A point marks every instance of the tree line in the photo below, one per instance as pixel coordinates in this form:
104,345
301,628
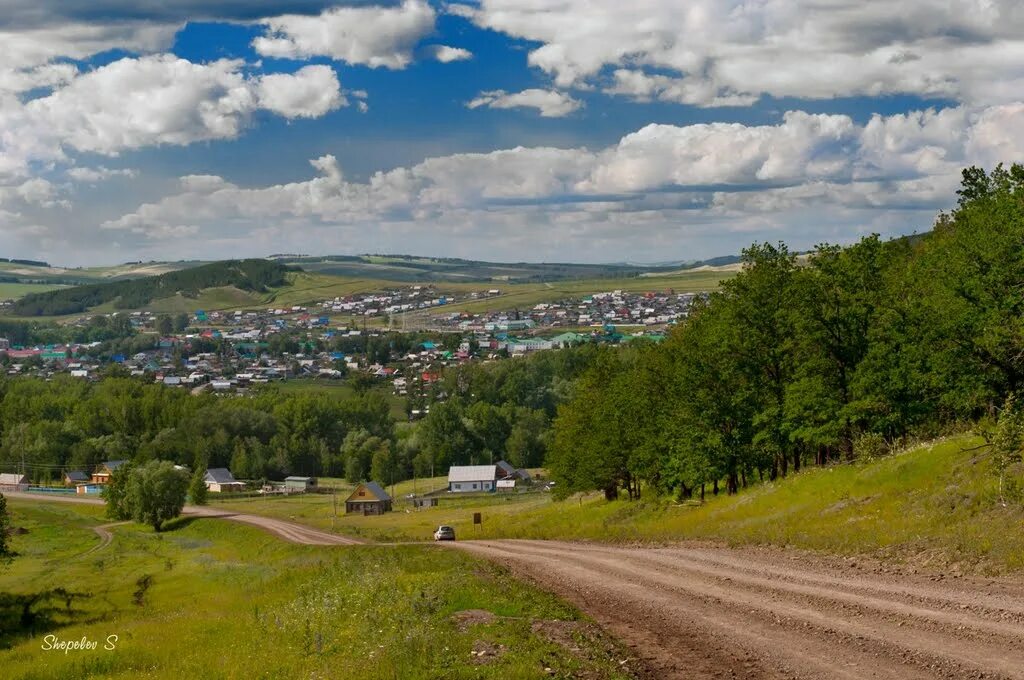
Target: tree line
69,424
841,354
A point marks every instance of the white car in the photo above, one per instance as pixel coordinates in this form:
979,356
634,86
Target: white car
444,533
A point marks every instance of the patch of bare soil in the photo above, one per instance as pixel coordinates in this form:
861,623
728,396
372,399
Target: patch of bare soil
472,617
586,641
485,652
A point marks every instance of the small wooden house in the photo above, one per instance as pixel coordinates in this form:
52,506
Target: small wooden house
368,499
102,476
75,477
220,480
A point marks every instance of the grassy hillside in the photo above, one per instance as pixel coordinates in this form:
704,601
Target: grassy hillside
255,276
930,506
44,273
259,607
15,291
406,268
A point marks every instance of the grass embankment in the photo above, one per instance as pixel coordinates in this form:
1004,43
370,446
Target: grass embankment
230,601
933,505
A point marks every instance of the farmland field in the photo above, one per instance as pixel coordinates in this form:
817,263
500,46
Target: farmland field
13,291
259,607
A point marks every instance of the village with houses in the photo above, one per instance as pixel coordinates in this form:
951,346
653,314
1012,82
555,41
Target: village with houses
367,498
233,351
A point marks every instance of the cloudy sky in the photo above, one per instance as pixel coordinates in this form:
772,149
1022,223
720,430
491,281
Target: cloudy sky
582,130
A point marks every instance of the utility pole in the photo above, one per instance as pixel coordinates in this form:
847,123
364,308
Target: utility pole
334,500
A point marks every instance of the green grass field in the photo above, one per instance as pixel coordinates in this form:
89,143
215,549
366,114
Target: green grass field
931,506
230,601
14,291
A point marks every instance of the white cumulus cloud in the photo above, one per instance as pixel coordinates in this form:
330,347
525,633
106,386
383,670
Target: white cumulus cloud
310,92
714,52
549,103
447,54
370,36
658,188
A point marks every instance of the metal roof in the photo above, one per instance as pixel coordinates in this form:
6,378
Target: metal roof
219,476
472,473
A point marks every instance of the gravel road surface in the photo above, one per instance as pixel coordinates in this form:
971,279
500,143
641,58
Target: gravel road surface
704,612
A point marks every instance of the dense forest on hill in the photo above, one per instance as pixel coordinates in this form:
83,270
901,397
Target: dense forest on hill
846,356
255,275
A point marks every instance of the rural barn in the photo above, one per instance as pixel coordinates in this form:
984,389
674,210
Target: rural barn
299,483
368,499
220,480
469,478
102,476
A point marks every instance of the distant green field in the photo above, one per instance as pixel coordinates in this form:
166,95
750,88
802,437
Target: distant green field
230,601
13,291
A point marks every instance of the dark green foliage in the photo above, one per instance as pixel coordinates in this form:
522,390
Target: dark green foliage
197,490
68,423
115,493
155,493
251,275
850,353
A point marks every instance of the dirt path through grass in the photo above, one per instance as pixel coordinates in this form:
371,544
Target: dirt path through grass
103,531
289,531
761,613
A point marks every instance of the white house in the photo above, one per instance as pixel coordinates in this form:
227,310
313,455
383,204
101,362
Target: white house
13,482
219,480
469,478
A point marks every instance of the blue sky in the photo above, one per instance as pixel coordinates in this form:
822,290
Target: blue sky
583,130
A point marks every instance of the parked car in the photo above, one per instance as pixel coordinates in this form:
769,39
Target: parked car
444,533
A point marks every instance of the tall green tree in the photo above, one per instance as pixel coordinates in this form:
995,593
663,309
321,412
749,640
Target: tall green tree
156,493
115,493
838,298
197,491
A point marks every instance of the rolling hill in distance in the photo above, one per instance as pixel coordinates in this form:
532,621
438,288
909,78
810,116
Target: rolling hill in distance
41,290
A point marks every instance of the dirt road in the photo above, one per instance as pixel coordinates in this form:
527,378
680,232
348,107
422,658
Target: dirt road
296,533
694,612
